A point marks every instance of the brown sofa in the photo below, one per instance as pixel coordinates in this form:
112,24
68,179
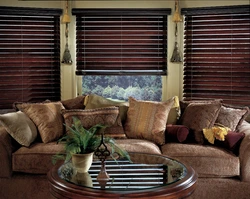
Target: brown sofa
222,173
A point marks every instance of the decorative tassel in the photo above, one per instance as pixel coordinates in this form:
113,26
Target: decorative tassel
176,57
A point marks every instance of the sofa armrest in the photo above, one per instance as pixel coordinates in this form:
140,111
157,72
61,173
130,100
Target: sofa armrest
244,152
7,147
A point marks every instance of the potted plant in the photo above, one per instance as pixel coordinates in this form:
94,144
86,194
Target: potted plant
80,145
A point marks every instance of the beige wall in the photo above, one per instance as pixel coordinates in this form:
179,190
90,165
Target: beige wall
172,83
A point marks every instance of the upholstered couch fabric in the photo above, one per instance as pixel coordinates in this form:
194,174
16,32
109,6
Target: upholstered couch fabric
36,159
208,161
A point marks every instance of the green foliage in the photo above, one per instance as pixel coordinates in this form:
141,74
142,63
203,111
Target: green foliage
80,140
121,87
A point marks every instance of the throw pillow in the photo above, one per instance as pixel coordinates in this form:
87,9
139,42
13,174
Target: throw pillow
232,141
176,133
20,127
47,117
185,103
232,116
107,116
75,103
198,116
95,101
175,112
147,119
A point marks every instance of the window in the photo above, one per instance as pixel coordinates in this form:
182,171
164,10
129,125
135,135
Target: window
119,44
29,55
217,54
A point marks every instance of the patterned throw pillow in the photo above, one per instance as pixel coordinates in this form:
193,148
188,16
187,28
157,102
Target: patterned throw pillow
199,116
185,103
232,116
107,116
147,120
20,127
47,117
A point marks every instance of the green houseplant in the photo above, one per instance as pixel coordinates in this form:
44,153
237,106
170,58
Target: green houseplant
79,142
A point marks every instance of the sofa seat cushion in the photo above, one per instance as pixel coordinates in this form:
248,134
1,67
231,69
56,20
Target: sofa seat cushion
207,161
35,159
38,157
139,146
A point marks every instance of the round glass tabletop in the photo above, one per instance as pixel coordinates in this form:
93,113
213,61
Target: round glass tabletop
146,171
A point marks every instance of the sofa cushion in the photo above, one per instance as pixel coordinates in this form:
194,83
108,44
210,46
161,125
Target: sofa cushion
47,117
198,116
138,145
38,157
207,161
20,127
35,159
232,116
147,119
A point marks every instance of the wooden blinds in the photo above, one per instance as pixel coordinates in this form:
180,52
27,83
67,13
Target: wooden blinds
29,55
217,54
121,41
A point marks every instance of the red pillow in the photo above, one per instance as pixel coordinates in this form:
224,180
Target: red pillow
176,133
232,141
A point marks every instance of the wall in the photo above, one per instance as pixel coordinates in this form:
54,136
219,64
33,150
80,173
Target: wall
172,83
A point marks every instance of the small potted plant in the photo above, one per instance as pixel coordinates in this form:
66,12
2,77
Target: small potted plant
80,145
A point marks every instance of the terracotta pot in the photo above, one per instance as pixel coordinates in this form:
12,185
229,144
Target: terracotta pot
82,162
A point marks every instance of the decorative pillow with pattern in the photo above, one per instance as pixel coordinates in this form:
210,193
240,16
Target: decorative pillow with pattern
199,116
232,116
20,127
185,103
147,120
47,118
107,116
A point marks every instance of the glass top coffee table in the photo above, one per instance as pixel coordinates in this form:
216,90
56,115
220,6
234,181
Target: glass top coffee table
146,176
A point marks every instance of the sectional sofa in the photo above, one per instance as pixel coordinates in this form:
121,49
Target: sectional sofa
29,134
